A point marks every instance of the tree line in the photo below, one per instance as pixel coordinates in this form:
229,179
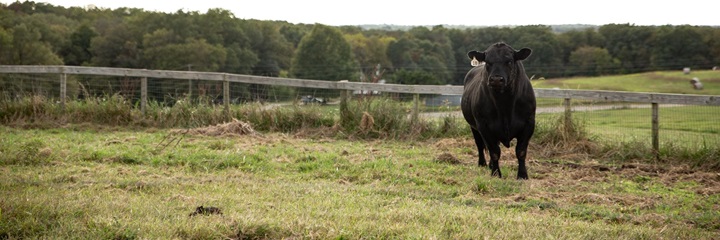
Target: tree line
33,33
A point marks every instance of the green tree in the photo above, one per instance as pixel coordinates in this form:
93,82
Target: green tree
591,61
711,37
77,52
403,53
294,33
630,44
198,54
324,54
546,58
422,49
574,39
6,46
675,47
114,47
54,29
27,49
239,60
271,47
370,51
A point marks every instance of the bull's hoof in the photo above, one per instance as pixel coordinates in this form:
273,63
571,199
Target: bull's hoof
482,163
522,177
496,173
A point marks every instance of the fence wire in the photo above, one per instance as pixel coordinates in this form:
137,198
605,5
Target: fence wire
687,125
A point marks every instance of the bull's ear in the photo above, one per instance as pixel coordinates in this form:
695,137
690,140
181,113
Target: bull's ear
480,56
522,54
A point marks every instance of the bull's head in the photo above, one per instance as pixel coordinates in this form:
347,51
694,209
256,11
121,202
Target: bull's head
500,63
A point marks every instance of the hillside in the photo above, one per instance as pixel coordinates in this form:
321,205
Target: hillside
660,81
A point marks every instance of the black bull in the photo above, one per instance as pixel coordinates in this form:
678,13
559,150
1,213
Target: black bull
499,104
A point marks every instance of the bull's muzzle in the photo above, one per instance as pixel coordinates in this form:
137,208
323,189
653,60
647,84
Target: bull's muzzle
497,82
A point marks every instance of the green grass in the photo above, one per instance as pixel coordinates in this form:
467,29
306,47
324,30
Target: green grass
661,82
98,183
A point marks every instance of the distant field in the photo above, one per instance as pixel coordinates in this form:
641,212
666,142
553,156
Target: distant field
662,82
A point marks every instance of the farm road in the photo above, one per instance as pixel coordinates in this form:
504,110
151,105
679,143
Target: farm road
558,109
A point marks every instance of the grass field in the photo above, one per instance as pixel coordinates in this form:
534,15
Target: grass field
662,82
89,182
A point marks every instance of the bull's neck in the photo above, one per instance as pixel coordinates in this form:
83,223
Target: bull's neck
505,96
505,104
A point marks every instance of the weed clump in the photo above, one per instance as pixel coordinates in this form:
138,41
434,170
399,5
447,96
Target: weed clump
30,152
563,137
447,158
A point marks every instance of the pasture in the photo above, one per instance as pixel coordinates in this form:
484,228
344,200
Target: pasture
100,169
92,182
658,81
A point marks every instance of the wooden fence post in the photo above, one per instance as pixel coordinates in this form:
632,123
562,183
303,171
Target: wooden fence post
415,111
344,101
63,90
568,112
656,130
189,95
143,95
226,97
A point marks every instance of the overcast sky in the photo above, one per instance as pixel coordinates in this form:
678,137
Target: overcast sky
451,12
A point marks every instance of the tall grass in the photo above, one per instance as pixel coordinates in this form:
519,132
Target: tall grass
361,118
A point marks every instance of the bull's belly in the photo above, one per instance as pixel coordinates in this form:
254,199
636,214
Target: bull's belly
501,135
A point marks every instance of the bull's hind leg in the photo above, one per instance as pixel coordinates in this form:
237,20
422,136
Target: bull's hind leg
480,147
522,170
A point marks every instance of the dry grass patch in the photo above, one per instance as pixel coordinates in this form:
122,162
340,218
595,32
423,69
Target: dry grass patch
234,127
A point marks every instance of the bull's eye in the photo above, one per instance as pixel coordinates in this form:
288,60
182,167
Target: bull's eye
509,63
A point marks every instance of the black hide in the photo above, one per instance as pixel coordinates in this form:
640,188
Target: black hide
499,104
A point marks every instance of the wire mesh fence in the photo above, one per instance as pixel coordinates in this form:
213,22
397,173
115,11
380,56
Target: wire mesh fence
680,122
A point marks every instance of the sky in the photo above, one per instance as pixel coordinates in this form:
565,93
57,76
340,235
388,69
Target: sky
439,12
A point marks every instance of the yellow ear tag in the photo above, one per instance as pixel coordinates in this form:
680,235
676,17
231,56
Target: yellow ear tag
475,62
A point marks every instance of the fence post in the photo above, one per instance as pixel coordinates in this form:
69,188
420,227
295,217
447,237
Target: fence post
143,94
344,98
568,112
656,130
415,111
189,95
63,89
226,97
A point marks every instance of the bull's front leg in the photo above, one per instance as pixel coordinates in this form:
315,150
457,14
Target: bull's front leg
494,150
